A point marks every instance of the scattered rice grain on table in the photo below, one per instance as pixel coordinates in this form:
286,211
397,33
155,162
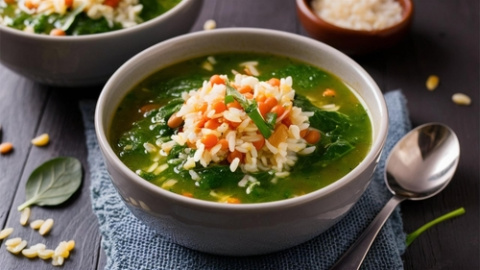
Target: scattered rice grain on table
5,233
461,99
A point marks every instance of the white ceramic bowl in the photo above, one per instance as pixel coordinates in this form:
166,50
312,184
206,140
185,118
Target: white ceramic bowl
245,229
89,59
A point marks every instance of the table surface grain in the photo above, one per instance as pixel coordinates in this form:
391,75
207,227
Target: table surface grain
444,40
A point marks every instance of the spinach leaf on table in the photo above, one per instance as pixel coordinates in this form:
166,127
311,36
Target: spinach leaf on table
53,182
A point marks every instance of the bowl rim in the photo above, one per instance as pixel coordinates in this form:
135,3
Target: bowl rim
105,35
304,7
372,156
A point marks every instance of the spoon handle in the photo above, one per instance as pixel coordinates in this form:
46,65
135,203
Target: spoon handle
353,257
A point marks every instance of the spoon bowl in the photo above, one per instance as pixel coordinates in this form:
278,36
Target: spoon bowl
423,162
418,167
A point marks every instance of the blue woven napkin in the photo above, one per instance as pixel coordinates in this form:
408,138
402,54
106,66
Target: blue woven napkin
130,244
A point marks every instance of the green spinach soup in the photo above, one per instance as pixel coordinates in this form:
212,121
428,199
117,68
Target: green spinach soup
79,17
241,128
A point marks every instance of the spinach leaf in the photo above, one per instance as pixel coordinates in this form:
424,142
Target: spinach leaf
306,77
327,121
215,176
53,182
154,123
176,86
332,124
83,25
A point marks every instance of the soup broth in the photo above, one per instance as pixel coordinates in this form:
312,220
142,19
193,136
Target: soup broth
140,130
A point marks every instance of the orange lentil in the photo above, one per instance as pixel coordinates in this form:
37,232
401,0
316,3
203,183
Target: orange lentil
313,136
174,121
224,144
187,194
233,200
57,32
274,82
6,148
278,109
30,4
209,140
235,154
112,3
287,121
148,107
259,144
303,132
216,79
329,93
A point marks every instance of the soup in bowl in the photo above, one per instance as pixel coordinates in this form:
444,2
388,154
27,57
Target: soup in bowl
223,141
84,43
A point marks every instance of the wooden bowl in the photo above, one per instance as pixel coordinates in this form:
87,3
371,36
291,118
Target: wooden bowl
352,41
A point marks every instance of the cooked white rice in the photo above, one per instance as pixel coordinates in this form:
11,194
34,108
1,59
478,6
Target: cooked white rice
278,158
359,14
125,13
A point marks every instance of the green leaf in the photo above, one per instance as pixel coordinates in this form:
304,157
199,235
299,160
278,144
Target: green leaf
251,108
53,182
412,236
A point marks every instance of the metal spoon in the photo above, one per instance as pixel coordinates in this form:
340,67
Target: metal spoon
419,166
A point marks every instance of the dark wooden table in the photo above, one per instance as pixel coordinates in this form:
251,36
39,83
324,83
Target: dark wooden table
444,40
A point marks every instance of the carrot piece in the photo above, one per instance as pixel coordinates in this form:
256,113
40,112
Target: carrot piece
30,4
68,3
245,89
219,106
262,108
112,3
329,93
274,82
259,144
233,125
233,200
57,32
209,140
10,1
248,95
216,79
261,98
174,121
201,107
201,122
212,124
313,136
279,135
235,104
271,102
278,109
